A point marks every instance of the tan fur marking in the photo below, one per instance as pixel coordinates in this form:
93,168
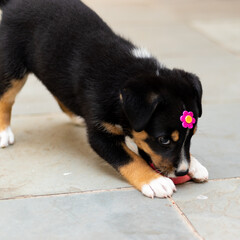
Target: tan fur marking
5,112
139,138
7,101
175,136
140,135
65,109
195,129
113,129
137,172
159,162
152,97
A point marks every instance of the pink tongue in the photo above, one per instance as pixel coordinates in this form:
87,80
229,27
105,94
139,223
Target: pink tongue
176,180
180,180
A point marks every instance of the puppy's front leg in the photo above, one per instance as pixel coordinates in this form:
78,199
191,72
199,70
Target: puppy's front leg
111,146
142,177
197,171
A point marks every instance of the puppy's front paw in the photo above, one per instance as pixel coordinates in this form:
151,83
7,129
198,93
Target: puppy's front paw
197,171
161,187
6,137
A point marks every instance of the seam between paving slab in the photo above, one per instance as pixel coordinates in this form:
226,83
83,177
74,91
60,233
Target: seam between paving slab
179,211
217,43
221,179
95,191
68,193
46,114
185,219
172,202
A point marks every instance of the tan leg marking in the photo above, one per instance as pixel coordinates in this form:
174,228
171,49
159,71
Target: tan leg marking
65,109
77,120
137,172
5,113
113,129
175,136
121,97
7,101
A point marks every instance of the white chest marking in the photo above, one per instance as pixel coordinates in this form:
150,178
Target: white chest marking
141,53
131,144
183,164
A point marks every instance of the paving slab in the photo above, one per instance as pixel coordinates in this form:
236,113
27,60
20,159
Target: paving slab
34,98
212,208
109,215
177,36
181,45
219,75
182,35
210,10
225,32
51,156
172,40
217,142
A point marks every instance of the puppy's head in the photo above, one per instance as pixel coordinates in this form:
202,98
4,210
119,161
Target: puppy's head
153,106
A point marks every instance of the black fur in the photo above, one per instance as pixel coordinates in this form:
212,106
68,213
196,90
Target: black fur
87,66
3,2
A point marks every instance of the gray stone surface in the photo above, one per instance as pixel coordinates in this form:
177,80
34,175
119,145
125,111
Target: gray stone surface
51,156
212,208
34,98
109,215
217,142
225,32
219,75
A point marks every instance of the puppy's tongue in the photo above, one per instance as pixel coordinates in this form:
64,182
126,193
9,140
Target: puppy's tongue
176,180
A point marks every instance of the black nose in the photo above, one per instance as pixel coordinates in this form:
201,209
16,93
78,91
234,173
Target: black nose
181,173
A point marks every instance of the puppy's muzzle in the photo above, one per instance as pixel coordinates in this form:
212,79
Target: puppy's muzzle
181,173
182,168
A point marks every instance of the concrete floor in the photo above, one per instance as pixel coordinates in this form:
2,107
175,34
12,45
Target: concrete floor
53,186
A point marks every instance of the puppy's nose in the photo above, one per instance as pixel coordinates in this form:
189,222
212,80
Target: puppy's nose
181,173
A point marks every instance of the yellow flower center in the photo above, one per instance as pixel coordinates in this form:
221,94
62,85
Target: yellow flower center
188,119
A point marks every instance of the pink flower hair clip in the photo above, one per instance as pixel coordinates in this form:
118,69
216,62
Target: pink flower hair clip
187,119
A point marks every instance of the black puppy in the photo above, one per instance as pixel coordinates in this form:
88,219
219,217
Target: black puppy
131,104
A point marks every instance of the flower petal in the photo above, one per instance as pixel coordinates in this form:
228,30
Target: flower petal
185,113
193,120
182,118
191,114
184,124
190,125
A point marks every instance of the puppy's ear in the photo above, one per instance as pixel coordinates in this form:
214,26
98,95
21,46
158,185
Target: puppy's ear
138,104
196,85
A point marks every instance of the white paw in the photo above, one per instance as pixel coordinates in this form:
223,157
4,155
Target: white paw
79,121
161,187
197,171
6,137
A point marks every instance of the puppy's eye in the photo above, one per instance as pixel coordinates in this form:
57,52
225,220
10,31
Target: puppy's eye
164,140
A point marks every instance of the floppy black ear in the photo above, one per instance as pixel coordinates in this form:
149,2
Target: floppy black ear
138,105
197,86
195,83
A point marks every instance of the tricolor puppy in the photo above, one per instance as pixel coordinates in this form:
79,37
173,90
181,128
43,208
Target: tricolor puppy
131,103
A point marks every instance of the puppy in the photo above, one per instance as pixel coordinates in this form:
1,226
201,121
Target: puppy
130,102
